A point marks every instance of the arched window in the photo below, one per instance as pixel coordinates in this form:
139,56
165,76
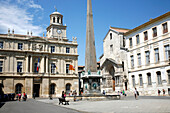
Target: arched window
68,87
58,19
53,19
52,88
159,77
133,80
149,79
18,88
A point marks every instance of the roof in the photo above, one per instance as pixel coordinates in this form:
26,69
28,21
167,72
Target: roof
56,13
117,30
148,23
121,30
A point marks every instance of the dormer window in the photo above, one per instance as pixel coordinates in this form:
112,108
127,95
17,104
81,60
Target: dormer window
53,19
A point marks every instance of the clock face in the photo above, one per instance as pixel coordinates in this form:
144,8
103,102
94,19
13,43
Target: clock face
59,31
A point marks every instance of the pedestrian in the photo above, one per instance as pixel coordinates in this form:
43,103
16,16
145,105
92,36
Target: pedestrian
123,92
136,93
34,94
19,96
163,92
159,92
63,95
24,96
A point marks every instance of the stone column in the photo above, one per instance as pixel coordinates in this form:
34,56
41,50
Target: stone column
26,64
42,64
31,64
45,87
47,64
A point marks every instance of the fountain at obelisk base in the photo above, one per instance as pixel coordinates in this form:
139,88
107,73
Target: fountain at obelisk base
91,78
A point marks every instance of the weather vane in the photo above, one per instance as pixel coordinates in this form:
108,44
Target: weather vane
55,8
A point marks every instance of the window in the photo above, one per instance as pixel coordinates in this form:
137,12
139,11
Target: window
67,50
133,80
68,87
36,67
110,36
139,59
1,66
111,48
124,42
123,66
53,19
58,19
166,52
130,42
156,55
117,79
20,46
19,66
1,45
52,49
132,61
149,78
154,32
168,76
137,39
67,68
53,68
18,88
147,57
52,88
140,80
165,28
145,35
159,77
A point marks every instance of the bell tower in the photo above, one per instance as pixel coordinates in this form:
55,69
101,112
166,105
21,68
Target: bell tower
56,29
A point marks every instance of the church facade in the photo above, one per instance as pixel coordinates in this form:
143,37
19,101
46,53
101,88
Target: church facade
113,62
39,65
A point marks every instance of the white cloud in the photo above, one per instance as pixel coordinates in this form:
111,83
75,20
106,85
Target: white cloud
29,4
19,19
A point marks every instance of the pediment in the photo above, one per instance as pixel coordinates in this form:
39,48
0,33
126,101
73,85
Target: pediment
38,39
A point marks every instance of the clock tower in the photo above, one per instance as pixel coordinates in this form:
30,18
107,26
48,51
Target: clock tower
56,29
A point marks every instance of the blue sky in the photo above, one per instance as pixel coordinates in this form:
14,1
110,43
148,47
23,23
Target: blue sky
33,15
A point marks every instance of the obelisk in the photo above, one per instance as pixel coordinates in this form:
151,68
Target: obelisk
90,58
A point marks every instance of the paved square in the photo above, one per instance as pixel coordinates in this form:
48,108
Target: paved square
127,105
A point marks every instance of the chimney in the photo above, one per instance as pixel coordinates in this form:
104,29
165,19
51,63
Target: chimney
150,19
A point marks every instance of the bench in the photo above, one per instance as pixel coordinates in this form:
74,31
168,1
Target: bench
61,100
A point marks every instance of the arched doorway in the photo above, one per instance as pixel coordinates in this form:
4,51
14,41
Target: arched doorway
68,87
52,88
18,88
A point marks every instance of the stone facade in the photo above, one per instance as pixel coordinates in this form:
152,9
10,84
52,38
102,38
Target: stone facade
39,65
113,61
148,57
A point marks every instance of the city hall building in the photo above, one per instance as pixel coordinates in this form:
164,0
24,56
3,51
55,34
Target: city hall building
39,65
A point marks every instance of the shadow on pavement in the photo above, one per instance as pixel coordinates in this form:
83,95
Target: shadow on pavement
1,104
